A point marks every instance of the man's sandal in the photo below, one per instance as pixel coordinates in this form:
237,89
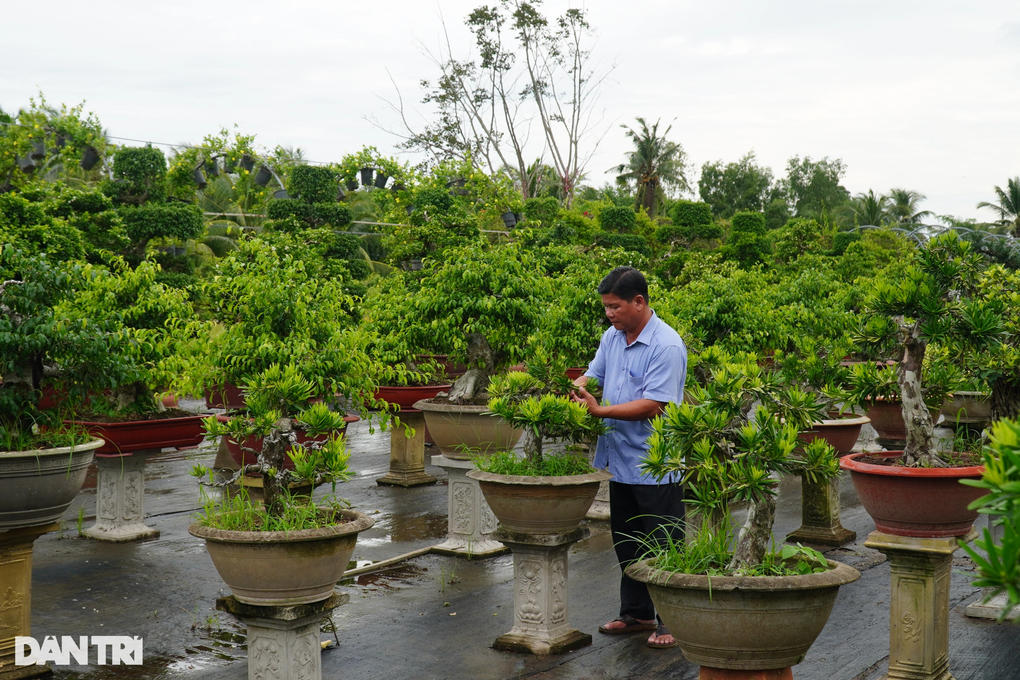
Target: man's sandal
631,625
659,632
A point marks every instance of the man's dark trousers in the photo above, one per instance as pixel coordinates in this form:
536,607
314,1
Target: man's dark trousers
640,510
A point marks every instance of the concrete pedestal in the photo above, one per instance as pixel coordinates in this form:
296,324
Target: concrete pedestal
283,642
470,522
120,498
407,454
994,606
540,594
919,604
224,461
16,598
820,521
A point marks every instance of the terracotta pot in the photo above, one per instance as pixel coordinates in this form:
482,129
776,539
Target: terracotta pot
279,568
919,502
744,622
452,369
404,397
575,373
887,418
840,433
967,408
242,457
228,396
539,505
170,400
143,435
37,487
461,431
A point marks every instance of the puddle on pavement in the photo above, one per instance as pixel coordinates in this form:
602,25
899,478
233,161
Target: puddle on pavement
390,579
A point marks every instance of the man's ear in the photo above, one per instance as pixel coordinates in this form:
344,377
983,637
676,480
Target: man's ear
640,300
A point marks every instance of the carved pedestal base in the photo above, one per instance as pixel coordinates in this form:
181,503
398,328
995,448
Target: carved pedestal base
224,461
540,594
727,674
470,521
120,499
994,606
16,598
600,507
820,515
283,642
919,605
407,455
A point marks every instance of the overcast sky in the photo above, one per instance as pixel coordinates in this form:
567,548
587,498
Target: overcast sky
920,95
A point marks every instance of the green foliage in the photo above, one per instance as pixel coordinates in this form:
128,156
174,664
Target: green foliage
176,222
621,220
688,235
748,223
842,240
26,226
813,187
690,214
797,237
435,197
734,187
999,567
283,208
336,215
313,184
541,211
632,242
142,174
553,465
239,513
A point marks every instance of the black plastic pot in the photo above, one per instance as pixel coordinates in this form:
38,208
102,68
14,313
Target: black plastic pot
398,186
263,176
38,149
199,178
89,158
366,176
61,141
282,193
247,162
352,185
409,209
212,167
509,219
380,180
229,166
26,164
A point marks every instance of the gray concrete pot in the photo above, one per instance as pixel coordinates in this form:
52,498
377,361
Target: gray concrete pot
459,430
744,622
282,568
36,487
967,408
539,505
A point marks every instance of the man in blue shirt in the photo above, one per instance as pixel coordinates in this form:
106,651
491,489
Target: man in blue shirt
641,364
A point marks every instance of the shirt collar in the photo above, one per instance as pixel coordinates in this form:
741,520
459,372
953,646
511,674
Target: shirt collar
646,334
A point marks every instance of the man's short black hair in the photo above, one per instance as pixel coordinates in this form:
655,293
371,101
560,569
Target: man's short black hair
625,283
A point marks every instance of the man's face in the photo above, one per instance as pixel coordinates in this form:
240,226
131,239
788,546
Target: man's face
624,316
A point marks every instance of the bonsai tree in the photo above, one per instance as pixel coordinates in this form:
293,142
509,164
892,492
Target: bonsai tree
935,300
478,306
574,319
727,451
280,402
1000,363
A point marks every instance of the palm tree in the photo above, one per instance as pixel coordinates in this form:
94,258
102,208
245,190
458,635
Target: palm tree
655,164
1008,206
903,206
870,209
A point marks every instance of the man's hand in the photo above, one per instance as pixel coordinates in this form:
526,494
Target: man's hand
583,396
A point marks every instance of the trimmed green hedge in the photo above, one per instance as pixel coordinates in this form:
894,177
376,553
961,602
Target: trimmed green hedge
313,184
282,208
748,223
541,210
632,242
673,233
843,239
437,198
142,171
162,221
336,215
620,219
690,213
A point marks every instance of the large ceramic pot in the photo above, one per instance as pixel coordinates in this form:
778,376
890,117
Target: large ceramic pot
967,408
462,431
920,502
228,396
840,433
405,397
242,457
143,435
744,622
37,487
280,568
539,505
887,418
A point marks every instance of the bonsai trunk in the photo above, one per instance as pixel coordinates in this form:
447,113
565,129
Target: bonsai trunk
274,452
1005,401
755,535
920,449
476,380
532,445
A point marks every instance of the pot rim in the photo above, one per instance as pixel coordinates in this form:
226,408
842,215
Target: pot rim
224,418
835,422
413,387
427,405
59,451
535,480
851,463
360,522
840,574
148,424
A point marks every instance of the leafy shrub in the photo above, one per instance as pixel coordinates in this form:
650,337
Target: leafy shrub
142,174
334,214
843,239
632,242
313,184
672,233
282,208
748,223
340,246
690,213
145,222
620,219
437,198
541,211
797,237
73,201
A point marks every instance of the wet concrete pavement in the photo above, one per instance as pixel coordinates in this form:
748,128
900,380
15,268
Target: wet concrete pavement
431,616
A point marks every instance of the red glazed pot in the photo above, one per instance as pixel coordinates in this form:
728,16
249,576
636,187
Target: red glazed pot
918,502
242,457
840,433
227,396
887,418
404,397
142,435
575,373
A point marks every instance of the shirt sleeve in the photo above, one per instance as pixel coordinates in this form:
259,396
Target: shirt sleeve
664,379
597,367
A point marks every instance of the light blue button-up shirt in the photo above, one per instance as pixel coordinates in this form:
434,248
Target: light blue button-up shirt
652,367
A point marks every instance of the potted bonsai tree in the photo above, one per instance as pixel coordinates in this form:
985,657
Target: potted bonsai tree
747,608
915,492
282,551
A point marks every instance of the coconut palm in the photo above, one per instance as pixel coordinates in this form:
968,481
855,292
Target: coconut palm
903,206
656,164
1008,206
870,209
